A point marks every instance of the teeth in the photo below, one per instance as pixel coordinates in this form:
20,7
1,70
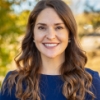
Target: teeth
50,45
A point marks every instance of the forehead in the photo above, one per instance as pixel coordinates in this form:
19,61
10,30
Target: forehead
48,16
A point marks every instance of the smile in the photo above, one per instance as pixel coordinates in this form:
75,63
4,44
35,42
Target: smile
50,45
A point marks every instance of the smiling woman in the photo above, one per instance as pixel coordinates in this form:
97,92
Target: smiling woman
50,34
51,39
51,65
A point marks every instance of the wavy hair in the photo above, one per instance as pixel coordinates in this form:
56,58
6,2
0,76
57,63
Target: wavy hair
77,81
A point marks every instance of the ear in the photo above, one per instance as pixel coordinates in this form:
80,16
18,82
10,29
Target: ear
69,40
33,40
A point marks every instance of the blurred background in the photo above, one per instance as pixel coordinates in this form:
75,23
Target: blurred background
13,19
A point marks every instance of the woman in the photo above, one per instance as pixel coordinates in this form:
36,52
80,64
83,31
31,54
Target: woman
51,65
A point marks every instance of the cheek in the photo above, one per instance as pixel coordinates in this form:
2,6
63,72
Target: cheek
37,35
64,36
37,38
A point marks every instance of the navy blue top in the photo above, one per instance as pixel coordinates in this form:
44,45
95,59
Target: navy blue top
51,87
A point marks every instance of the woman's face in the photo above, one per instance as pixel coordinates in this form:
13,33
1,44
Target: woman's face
50,34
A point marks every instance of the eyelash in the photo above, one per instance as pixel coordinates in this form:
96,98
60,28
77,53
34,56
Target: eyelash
43,28
59,27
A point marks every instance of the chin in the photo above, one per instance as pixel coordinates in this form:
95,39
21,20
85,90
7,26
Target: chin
52,56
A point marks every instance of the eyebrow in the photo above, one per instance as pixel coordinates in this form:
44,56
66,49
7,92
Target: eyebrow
46,24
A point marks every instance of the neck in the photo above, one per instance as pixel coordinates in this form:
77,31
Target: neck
51,66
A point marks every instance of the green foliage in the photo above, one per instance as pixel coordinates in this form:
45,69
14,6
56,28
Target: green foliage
12,27
92,14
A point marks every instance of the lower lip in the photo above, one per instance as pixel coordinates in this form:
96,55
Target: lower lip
50,47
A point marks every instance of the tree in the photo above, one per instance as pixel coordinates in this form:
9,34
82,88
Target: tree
93,15
12,26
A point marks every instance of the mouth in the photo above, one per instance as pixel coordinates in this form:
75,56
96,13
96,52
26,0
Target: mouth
50,45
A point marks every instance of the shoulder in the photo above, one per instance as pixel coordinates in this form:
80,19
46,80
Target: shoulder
7,75
4,93
92,72
95,82
95,75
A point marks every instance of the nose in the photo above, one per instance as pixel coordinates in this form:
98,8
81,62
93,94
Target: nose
51,34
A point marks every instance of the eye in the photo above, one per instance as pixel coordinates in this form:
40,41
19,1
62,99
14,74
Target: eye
59,27
41,28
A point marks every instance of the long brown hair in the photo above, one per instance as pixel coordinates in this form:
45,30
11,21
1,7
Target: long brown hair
77,81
